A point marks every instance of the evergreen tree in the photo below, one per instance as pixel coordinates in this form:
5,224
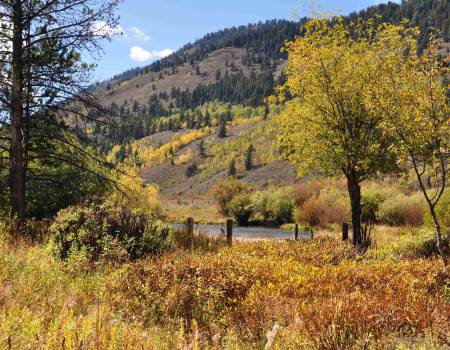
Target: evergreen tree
266,111
249,157
232,171
191,170
42,70
222,133
207,118
201,149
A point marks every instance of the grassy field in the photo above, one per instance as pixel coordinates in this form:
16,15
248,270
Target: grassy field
307,295
203,212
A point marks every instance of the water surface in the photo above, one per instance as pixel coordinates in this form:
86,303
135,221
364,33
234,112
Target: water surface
252,232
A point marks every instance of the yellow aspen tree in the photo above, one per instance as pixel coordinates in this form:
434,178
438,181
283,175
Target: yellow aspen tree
412,95
327,126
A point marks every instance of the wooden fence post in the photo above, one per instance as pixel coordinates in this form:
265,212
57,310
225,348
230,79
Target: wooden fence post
229,232
345,232
190,229
296,232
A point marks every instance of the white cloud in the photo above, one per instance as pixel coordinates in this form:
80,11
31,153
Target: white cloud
139,54
138,34
104,29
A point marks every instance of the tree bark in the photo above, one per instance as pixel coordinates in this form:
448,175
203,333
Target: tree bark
354,190
16,156
439,240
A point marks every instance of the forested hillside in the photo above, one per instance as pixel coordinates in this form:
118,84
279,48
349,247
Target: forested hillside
238,65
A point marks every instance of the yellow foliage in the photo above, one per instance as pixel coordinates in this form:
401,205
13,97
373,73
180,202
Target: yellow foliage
243,121
185,157
327,125
132,193
150,156
226,298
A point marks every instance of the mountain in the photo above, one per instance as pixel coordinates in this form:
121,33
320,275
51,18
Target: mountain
219,79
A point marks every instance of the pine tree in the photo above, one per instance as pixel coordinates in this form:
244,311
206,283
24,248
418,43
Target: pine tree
232,171
43,76
201,149
266,111
249,157
222,133
191,170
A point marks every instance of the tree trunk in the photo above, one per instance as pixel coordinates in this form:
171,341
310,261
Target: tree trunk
439,241
17,170
354,190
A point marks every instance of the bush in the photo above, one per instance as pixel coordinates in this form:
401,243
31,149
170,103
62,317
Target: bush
104,234
305,191
402,210
316,211
261,205
241,207
415,244
224,191
275,205
312,212
316,290
281,205
373,197
134,195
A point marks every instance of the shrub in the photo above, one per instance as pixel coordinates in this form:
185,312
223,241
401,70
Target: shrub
241,208
373,197
335,213
416,244
261,205
281,205
312,212
317,212
402,210
305,191
134,195
225,190
316,290
102,233
275,205
185,158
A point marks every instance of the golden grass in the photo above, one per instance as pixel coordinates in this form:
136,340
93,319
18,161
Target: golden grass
382,235
320,293
204,214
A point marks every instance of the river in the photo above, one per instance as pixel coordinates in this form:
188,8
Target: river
249,232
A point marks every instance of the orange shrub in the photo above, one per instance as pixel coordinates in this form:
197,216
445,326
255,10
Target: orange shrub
305,191
315,211
315,288
312,211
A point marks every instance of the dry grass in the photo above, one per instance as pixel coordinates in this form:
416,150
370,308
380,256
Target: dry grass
322,295
202,214
382,235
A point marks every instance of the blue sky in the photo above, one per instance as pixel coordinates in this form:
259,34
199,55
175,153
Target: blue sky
153,28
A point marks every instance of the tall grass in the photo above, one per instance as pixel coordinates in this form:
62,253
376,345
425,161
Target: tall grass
322,295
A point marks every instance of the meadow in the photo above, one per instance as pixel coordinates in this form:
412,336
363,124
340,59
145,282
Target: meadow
315,294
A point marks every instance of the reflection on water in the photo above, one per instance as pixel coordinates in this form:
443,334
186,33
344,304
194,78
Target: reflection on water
249,231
